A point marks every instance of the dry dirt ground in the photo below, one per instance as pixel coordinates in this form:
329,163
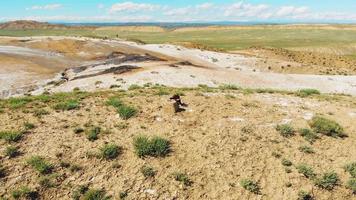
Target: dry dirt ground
224,136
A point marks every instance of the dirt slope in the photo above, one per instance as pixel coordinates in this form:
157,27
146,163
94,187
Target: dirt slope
222,138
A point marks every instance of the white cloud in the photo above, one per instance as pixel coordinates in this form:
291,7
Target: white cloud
132,7
205,6
242,9
100,6
291,11
179,11
45,7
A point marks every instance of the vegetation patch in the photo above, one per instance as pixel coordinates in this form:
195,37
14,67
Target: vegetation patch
328,181
16,103
308,92
183,178
286,130
156,146
148,171
92,134
309,135
327,127
11,136
126,112
40,165
351,168
250,185
12,151
24,193
306,149
67,105
306,170
286,162
134,87
351,184
2,171
110,151
29,126
95,194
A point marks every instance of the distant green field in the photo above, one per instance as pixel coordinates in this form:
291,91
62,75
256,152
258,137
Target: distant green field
223,39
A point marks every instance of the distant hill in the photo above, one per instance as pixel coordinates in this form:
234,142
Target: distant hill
27,24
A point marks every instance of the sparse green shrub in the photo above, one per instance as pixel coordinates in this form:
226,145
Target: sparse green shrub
286,162
327,127
29,126
306,170
40,112
351,168
110,151
67,105
46,182
134,87
162,92
308,135
11,136
302,195
148,171
351,184
24,193
126,112
156,147
94,194
228,87
79,192
250,185
183,178
92,134
40,165
11,151
328,181
276,154
307,92
285,130
20,102
306,149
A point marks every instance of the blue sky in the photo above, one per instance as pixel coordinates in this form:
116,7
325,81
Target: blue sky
179,11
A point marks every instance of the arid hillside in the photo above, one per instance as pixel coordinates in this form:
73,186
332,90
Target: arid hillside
228,143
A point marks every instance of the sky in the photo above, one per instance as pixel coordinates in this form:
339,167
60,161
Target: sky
314,11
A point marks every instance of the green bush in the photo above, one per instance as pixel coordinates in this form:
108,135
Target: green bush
79,192
148,171
306,170
126,112
15,103
78,130
183,178
11,136
228,87
67,105
328,181
46,182
351,168
93,133
156,147
326,127
94,194
40,112
285,130
250,185
308,135
134,87
24,193
306,149
302,195
307,92
286,162
40,165
351,184
11,151
29,126
110,151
